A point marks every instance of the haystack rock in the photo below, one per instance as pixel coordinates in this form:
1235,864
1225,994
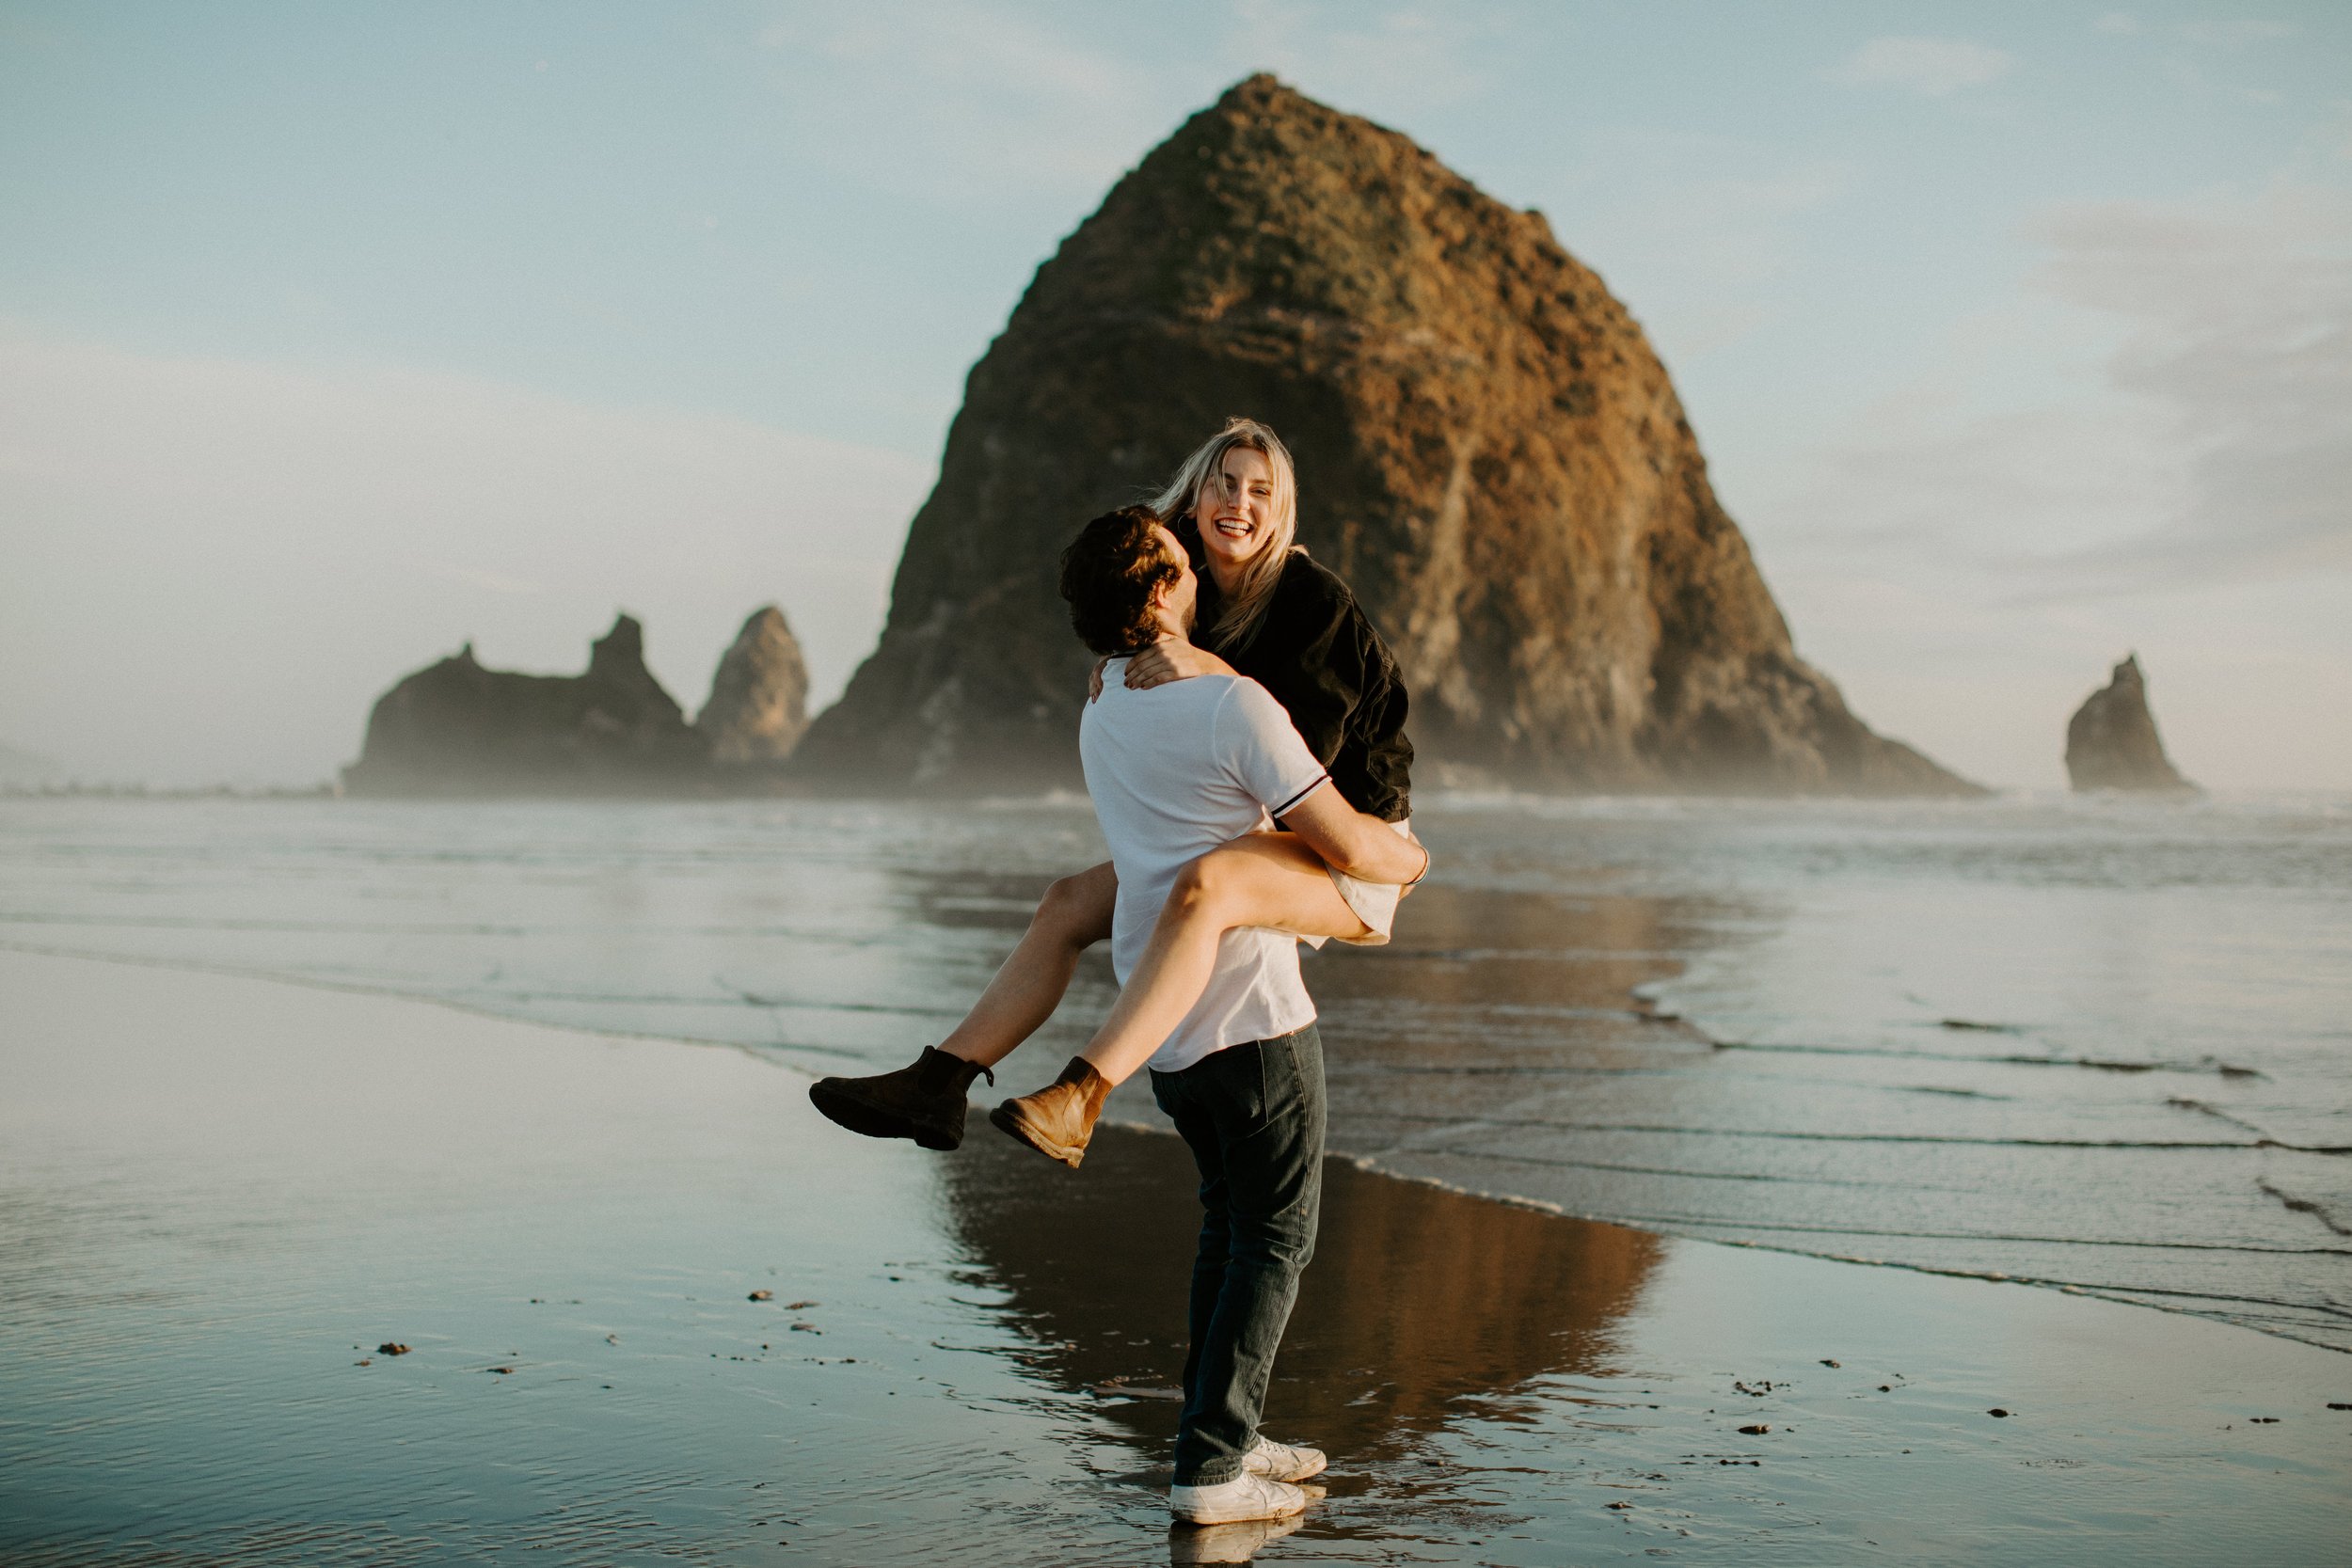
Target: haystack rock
455,728
759,695
2111,741
1488,451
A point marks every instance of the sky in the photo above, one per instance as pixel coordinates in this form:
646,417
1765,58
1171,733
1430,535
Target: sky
2018,336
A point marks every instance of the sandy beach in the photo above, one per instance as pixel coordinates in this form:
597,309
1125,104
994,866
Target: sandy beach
222,1195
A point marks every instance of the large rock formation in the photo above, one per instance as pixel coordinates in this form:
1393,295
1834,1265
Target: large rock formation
758,696
2111,741
1488,451
455,728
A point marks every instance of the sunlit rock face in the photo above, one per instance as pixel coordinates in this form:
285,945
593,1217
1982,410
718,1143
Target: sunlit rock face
456,728
2111,741
1488,451
759,705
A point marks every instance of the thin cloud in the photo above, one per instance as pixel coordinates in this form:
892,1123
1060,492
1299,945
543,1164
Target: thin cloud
1712,225
1934,68
495,583
961,105
215,565
2211,449
1962,556
2235,32
2239,318
1405,52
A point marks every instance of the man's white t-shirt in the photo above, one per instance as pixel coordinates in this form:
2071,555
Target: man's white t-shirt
1174,772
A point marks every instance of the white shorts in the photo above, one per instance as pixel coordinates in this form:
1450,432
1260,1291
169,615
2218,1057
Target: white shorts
1374,903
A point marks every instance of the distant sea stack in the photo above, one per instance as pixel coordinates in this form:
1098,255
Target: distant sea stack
1488,451
2111,741
758,703
455,728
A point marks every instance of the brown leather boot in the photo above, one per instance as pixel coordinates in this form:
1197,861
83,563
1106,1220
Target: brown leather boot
1058,1120
923,1101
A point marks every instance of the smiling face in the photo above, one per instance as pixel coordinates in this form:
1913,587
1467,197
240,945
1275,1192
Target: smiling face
1234,511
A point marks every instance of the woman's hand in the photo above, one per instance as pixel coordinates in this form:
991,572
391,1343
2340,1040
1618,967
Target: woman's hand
1095,678
1172,658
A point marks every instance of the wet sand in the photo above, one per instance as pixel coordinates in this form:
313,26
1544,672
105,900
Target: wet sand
219,1197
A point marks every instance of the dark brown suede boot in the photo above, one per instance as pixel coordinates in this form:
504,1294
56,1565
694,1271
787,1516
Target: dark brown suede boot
1058,1120
924,1100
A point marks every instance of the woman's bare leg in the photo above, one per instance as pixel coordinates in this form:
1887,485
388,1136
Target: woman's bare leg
1262,879
1074,914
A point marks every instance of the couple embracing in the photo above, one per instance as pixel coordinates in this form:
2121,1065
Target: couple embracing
1240,688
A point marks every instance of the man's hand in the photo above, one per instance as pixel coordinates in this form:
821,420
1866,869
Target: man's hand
1172,658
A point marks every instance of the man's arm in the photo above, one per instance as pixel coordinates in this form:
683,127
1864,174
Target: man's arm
1352,843
1257,741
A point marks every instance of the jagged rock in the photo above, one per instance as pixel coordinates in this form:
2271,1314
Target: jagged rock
758,696
1488,451
455,728
2111,741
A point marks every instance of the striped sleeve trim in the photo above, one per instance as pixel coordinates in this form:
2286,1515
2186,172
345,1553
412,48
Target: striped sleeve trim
1320,780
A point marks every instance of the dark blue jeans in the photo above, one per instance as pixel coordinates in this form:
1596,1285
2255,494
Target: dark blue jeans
1253,1115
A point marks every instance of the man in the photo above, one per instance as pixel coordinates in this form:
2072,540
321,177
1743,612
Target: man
1175,771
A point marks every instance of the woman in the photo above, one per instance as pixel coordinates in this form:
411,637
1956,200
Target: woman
1266,612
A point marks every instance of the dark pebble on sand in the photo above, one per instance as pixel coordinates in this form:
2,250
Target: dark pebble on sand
806,1329
502,1371
1618,1505
800,1306
2339,1405
388,1348
1757,1431
2265,1420
761,1295
1887,1387
1828,1363
1996,1410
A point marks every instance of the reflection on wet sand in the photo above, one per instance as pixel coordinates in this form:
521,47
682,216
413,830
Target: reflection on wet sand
1418,1298
1490,1000
219,1196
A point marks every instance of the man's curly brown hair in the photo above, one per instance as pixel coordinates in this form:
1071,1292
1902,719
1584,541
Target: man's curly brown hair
1109,574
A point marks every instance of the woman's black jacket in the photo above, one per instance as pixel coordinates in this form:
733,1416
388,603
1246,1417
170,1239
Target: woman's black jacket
1321,660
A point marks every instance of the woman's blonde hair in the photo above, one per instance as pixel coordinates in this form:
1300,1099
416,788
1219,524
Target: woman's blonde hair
1244,609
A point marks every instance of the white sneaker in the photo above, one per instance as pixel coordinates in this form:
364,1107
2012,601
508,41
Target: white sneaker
1245,1496
1282,1462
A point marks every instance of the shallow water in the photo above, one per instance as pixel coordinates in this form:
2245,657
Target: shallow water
2095,1044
